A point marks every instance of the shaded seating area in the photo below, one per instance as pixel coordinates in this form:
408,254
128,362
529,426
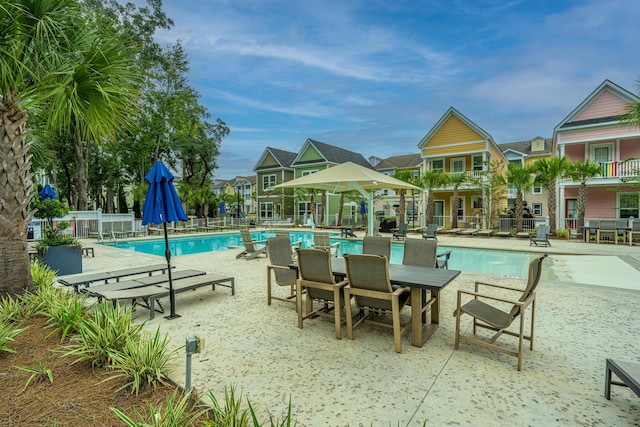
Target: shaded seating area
487,315
370,287
542,236
322,240
280,260
317,282
252,248
377,245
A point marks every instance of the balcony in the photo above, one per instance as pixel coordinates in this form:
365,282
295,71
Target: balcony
625,169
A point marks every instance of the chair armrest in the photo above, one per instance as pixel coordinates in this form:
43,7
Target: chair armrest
509,288
336,244
259,241
296,243
400,290
479,295
444,254
279,267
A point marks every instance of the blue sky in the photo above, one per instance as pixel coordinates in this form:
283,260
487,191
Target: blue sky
374,76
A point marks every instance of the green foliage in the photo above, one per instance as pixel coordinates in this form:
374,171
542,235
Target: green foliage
562,233
8,334
144,362
178,412
12,310
103,334
285,422
40,373
42,275
229,415
66,311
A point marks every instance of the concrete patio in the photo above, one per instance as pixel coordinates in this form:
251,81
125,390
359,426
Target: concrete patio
587,311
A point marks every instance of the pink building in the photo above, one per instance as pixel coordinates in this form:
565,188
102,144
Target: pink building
594,131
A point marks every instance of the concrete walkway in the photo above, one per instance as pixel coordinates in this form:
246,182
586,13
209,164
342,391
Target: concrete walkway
588,310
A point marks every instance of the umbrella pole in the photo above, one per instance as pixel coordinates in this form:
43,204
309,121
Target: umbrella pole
172,294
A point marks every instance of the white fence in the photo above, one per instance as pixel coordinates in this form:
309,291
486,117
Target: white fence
83,224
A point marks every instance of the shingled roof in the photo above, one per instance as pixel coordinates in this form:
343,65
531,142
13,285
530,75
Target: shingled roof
406,161
524,147
337,155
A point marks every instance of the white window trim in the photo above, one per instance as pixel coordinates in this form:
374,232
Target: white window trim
618,207
592,149
481,162
534,210
463,207
456,159
266,183
308,172
435,160
536,189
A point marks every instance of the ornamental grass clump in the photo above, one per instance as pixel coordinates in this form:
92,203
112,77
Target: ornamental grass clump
179,411
103,334
66,311
8,334
144,362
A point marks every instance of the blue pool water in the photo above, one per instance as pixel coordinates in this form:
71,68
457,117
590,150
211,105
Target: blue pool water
467,259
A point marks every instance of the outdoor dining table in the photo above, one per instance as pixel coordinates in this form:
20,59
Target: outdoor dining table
419,280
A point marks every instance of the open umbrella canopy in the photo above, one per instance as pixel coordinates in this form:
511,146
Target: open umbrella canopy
47,193
162,203
349,177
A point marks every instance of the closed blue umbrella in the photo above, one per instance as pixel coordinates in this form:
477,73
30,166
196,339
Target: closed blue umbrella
222,207
163,205
363,208
47,193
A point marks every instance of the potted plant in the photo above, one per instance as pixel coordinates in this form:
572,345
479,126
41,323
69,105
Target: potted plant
58,249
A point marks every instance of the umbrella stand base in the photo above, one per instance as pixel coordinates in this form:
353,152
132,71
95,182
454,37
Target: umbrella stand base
172,316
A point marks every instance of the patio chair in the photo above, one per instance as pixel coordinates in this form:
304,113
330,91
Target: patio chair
542,236
634,232
607,229
379,245
368,277
401,234
349,232
593,225
317,281
489,317
376,227
431,232
322,240
423,254
279,251
252,248
294,245
622,225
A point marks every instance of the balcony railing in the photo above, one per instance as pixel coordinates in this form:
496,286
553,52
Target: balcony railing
624,169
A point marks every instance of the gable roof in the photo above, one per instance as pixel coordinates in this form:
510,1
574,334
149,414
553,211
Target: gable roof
453,112
284,158
406,161
606,86
330,154
524,148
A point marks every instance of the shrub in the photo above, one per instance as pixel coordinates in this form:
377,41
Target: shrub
8,334
42,275
12,310
65,311
178,412
144,362
229,415
103,333
562,233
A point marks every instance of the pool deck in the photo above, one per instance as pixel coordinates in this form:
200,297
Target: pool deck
587,310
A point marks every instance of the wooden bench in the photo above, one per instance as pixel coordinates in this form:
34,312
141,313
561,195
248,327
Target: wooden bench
628,372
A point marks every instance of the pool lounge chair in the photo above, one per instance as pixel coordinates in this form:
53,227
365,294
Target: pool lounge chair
150,294
321,240
431,232
401,233
252,248
88,279
348,232
97,290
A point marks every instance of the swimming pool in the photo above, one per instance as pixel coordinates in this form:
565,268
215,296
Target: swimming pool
507,263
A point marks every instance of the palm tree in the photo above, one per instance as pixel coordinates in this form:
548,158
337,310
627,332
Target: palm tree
430,181
46,46
519,177
455,180
547,174
583,171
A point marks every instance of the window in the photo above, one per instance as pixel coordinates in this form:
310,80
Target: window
437,165
536,189
602,153
477,163
309,172
458,165
537,209
266,210
268,181
476,202
415,174
629,205
461,212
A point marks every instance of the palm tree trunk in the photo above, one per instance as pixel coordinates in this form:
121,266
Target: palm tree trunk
430,207
552,207
402,208
455,209
81,176
582,203
519,210
15,194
